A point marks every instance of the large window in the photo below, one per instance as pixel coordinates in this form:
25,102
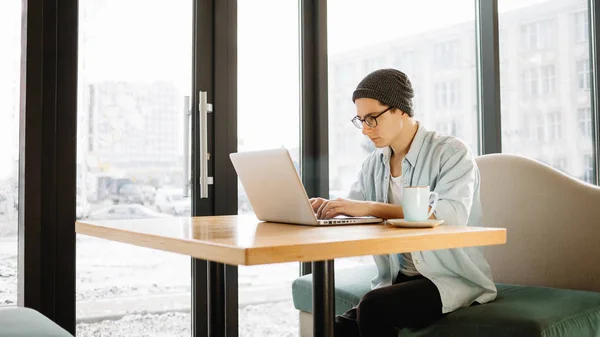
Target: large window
134,76
551,119
10,60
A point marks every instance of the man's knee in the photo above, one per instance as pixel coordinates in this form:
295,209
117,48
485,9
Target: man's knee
345,325
371,305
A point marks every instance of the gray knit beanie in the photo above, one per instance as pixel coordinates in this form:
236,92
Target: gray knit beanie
389,86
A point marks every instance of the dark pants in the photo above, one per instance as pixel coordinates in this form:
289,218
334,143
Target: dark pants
411,302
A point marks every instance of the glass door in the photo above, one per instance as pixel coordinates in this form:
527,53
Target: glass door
135,68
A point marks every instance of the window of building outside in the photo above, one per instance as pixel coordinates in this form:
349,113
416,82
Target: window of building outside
447,53
447,94
551,120
531,82
539,81
435,49
588,175
584,116
536,35
554,125
581,26
548,80
541,128
583,74
10,60
549,127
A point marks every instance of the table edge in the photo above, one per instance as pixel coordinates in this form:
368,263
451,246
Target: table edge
250,256
185,247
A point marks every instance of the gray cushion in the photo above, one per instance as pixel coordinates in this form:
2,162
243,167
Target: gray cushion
552,227
518,311
350,285
25,322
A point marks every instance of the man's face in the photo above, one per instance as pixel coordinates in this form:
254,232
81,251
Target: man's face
389,124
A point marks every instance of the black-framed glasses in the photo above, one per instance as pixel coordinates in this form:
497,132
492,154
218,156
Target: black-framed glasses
370,120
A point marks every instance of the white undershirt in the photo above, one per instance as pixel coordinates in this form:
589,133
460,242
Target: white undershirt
407,266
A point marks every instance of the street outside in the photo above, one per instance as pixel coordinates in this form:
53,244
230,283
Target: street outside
133,291
269,319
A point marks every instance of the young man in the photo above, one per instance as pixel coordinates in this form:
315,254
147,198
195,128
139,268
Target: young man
412,289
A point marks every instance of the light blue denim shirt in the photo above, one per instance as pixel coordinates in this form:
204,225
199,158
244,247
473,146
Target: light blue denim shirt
445,163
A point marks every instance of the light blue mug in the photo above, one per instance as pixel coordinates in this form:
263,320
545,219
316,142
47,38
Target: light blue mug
416,202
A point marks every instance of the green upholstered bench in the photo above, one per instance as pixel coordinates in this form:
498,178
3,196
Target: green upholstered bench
518,311
25,322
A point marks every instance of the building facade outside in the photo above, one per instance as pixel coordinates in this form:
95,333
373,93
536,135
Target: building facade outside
133,132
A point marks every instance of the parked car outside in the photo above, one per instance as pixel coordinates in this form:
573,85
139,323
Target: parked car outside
171,200
149,192
129,194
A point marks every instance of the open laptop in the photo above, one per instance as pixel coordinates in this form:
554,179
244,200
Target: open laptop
275,190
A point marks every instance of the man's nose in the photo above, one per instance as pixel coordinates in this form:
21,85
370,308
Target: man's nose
366,129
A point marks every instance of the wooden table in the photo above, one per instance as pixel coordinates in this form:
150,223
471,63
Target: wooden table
243,240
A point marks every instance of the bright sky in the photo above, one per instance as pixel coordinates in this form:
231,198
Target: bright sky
123,43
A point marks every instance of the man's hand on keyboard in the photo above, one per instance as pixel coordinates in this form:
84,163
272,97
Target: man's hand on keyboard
327,209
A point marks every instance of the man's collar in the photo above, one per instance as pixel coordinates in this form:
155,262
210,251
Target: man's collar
415,147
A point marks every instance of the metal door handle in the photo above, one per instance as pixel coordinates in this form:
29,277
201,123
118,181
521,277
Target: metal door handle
204,109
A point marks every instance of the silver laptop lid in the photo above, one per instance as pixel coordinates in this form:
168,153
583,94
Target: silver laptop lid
273,186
